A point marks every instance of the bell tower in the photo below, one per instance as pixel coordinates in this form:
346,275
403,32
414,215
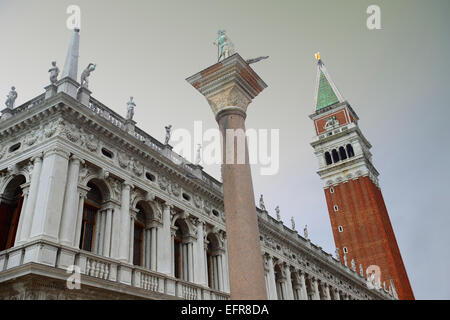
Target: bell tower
359,219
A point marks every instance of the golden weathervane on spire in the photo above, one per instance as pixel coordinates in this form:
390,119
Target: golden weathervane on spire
317,56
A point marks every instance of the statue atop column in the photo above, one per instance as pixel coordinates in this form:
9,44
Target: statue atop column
224,45
261,203
54,72
11,98
305,232
130,109
168,133
85,75
277,210
293,223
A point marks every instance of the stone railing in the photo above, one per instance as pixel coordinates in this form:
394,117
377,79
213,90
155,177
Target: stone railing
57,257
29,104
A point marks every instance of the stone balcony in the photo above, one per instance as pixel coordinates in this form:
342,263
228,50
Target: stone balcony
100,274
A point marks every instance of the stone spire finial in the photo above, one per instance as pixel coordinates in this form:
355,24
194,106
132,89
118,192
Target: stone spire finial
71,65
305,232
293,223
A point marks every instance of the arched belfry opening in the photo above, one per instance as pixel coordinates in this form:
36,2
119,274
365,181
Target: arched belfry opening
350,151
94,224
328,159
11,202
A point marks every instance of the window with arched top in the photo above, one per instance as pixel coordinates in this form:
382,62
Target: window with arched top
92,204
328,158
182,251
144,236
138,237
342,153
214,262
350,151
10,208
335,155
95,227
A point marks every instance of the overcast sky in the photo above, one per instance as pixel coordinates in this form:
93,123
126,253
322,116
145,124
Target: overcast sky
396,79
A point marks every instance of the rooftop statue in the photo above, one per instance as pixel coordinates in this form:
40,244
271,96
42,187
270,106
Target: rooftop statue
277,210
224,45
85,75
293,223
130,109
262,206
198,156
11,98
305,232
54,72
168,133
337,253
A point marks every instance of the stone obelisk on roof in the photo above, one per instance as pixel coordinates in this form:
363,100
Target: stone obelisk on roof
229,86
68,82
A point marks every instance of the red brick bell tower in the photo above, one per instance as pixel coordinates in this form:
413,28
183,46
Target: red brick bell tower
361,226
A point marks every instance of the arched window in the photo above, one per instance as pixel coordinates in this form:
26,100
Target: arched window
214,262
342,153
139,225
350,151
144,246
328,158
177,254
10,208
183,253
335,155
92,204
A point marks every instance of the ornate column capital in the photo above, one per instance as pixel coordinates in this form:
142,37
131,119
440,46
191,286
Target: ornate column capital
57,150
37,158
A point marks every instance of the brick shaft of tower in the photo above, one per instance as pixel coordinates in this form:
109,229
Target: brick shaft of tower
360,222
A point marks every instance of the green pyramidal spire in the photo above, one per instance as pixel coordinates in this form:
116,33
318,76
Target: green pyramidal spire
326,92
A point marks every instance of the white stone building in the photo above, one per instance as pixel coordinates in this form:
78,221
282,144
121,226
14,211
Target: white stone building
82,186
